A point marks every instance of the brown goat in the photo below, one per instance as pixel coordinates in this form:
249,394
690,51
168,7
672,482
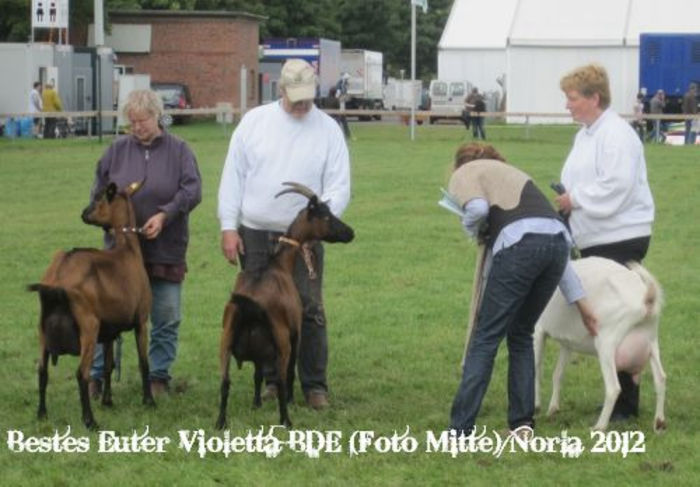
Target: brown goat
262,320
90,296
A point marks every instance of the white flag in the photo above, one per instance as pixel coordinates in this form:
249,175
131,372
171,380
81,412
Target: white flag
421,3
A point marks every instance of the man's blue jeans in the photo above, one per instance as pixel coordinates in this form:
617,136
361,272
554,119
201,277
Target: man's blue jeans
522,279
165,323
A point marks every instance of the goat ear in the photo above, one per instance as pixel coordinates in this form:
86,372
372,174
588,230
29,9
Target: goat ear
111,191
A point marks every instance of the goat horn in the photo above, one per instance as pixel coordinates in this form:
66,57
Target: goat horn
296,188
134,187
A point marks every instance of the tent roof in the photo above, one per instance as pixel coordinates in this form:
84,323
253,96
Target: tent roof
564,23
479,24
662,17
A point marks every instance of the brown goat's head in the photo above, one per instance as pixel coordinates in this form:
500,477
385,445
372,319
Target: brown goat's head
316,222
111,208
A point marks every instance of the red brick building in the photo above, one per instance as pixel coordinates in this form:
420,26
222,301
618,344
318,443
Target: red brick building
204,50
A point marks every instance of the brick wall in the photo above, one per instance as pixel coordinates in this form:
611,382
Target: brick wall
204,52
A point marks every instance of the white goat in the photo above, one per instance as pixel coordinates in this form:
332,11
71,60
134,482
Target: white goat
627,303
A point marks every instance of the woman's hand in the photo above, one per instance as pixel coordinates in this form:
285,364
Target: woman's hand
154,225
563,201
589,319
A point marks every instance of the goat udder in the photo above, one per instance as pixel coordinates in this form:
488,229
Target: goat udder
633,353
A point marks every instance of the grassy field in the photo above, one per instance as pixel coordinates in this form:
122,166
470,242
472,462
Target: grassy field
397,302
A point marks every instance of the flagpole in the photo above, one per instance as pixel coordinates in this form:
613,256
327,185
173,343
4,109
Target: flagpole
413,70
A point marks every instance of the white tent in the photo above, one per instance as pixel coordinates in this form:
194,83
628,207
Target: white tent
541,40
473,44
549,38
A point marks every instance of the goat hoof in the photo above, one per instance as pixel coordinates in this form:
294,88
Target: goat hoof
659,425
149,401
91,424
107,403
220,423
41,414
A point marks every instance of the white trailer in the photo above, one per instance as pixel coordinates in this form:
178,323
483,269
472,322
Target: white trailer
364,84
400,94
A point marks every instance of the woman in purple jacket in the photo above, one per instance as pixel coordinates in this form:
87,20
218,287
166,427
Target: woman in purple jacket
172,188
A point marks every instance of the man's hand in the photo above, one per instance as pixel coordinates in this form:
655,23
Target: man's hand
154,225
231,245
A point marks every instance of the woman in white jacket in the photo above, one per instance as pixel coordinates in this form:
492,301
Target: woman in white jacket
607,198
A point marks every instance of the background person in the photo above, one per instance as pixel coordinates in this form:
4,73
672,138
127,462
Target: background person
287,140
478,120
690,107
171,189
51,102
608,196
333,103
36,106
638,122
657,104
529,248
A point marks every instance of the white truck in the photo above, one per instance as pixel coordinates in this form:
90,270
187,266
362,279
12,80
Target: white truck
363,71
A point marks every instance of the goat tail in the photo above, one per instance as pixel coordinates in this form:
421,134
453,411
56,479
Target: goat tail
653,298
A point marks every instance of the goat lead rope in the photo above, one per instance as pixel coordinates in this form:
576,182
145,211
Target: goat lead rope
289,241
306,253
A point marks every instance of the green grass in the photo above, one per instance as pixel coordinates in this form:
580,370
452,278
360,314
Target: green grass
397,302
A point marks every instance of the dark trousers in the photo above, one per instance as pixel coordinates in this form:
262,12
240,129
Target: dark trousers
478,128
622,252
50,128
343,122
466,119
312,361
522,279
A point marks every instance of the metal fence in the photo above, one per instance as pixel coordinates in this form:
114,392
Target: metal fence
227,114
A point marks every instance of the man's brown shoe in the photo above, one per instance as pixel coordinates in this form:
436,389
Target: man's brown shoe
317,400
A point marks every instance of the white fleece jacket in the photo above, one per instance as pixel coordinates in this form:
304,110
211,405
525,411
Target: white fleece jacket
606,176
270,147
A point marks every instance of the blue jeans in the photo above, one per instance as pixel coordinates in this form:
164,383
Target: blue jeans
689,134
522,279
165,323
478,128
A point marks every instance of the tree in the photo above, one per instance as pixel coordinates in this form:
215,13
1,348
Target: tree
378,25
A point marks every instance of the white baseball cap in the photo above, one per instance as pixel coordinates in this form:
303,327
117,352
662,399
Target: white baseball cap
298,79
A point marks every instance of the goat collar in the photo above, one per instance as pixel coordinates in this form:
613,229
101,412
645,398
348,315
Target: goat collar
289,241
128,230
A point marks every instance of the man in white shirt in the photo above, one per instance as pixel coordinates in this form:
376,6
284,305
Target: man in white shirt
36,105
287,140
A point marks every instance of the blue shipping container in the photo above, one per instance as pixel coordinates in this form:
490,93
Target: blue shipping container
668,62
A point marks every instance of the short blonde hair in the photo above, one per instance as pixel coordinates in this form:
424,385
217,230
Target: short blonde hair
474,151
589,80
147,101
